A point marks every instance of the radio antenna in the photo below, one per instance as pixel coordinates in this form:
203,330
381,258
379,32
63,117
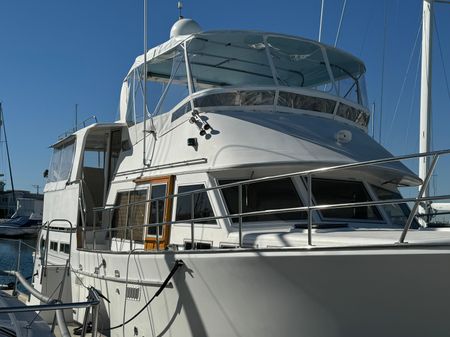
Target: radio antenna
180,7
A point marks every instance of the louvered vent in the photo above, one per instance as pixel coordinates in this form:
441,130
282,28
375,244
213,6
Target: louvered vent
133,293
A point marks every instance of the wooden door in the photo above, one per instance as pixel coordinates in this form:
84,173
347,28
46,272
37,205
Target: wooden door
158,211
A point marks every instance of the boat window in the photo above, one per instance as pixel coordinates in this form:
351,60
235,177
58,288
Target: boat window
202,205
131,212
64,248
94,158
229,59
54,246
61,163
298,101
328,191
181,111
176,89
398,213
166,86
349,78
157,208
267,195
136,213
355,115
299,63
135,102
237,98
198,245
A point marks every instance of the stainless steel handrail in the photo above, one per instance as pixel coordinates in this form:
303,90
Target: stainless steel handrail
309,209
47,241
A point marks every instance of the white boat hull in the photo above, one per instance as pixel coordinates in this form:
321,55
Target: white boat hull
393,291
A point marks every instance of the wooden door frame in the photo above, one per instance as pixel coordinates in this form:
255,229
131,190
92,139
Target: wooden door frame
150,243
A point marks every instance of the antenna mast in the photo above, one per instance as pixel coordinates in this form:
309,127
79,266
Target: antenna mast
76,116
180,7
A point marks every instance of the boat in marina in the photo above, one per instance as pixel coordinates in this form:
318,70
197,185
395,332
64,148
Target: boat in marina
247,200
26,221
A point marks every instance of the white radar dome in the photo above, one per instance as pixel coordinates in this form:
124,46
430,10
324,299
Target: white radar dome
184,27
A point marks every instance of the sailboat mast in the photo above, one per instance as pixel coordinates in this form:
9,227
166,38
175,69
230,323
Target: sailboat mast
2,121
425,89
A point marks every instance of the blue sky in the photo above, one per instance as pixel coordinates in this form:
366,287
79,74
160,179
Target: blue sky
54,54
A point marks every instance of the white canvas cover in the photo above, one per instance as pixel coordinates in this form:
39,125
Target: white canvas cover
243,57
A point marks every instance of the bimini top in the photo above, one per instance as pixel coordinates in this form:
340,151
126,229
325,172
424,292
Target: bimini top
244,58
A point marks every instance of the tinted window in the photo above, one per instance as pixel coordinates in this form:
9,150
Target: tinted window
131,213
274,194
398,213
157,208
136,213
64,248
54,246
327,191
202,206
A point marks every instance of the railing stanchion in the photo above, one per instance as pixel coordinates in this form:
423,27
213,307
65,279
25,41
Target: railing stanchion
95,311
93,234
47,243
420,195
157,227
17,268
192,221
240,216
309,209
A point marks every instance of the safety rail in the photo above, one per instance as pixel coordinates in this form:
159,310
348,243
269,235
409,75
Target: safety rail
310,208
20,243
84,123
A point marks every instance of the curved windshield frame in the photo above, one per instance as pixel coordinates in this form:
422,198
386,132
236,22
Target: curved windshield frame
240,59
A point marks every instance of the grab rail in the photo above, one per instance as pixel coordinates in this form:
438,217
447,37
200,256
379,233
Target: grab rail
76,128
47,242
310,208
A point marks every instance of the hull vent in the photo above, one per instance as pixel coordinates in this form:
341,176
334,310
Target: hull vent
133,293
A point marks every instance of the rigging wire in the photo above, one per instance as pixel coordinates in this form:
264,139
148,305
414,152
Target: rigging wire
321,20
413,98
340,23
446,84
441,54
382,70
369,23
411,56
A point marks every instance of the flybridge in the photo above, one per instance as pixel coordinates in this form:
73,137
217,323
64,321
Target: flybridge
196,61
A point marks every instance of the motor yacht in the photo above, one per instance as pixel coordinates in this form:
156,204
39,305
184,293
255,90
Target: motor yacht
240,194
